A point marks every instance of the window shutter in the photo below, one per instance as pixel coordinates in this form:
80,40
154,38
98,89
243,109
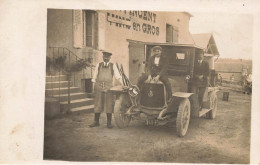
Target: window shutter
77,29
95,35
175,34
89,28
101,31
169,33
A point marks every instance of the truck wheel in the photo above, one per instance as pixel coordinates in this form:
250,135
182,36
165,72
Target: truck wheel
213,100
121,119
183,117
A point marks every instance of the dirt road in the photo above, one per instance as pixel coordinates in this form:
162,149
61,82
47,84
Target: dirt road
225,139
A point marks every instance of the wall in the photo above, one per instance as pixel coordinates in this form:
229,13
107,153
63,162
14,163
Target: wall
116,36
181,20
59,28
227,77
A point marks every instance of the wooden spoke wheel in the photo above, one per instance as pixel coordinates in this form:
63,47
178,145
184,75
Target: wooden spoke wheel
120,109
213,101
183,117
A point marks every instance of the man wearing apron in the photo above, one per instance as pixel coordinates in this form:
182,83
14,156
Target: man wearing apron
103,79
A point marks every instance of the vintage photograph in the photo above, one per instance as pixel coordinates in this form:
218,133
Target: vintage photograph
148,86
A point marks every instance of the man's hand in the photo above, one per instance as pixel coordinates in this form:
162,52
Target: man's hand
156,79
124,88
149,78
200,77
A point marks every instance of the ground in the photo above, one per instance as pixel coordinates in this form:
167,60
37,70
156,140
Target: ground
226,139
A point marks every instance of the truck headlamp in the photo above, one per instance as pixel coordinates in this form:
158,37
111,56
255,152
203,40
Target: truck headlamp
133,91
187,77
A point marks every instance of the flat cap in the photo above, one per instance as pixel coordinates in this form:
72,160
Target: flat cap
107,53
156,47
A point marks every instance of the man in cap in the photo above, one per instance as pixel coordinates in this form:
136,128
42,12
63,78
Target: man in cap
200,78
103,79
157,70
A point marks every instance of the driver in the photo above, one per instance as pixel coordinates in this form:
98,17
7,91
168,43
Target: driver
157,70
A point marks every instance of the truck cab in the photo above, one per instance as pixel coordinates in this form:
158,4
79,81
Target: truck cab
149,103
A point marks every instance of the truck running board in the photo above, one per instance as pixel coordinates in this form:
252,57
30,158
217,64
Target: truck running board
203,111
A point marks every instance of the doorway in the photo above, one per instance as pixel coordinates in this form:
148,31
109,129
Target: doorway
136,60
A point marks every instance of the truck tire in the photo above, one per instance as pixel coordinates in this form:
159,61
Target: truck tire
121,120
183,117
213,101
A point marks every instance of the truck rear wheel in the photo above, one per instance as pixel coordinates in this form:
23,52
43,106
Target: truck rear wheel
183,117
120,109
213,100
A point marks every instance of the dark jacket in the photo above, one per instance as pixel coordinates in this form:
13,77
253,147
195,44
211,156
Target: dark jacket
161,69
202,69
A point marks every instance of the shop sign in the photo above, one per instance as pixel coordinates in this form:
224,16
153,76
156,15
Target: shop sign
140,21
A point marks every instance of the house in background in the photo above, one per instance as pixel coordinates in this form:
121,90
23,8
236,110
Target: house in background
207,42
236,68
230,69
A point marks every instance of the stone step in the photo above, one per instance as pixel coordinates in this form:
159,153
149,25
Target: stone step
57,91
83,109
56,78
73,96
56,84
90,95
76,103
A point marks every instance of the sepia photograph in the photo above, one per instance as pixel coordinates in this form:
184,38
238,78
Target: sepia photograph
148,86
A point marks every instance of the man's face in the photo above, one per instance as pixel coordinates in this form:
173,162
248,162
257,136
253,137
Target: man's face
200,58
106,58
157,52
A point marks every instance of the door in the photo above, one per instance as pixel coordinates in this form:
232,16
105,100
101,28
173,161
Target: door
136,60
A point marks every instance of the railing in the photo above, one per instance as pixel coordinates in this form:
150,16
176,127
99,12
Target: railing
60,61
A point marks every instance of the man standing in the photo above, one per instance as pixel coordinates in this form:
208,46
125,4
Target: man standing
157,70
103,79
201,77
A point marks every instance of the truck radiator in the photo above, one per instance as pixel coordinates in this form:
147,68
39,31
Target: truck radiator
152,95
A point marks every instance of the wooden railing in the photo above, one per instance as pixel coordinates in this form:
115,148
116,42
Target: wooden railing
60,61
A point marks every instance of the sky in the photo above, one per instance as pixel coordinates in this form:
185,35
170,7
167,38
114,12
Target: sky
233,33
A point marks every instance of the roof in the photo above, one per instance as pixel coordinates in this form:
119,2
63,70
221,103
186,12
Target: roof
228,67
207,42
170,44
174,44
189,14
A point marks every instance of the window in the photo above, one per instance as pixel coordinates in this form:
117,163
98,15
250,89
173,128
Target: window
180,56
85,26
90,28
172,33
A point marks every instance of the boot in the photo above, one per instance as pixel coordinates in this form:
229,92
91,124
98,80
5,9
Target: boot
96,121
109,118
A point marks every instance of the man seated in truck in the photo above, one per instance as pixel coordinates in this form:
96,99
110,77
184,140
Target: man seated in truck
200,78
157,70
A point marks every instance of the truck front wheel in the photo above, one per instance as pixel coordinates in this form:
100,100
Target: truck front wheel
120,108
183,117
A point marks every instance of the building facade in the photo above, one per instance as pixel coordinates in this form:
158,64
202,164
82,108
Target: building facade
123,33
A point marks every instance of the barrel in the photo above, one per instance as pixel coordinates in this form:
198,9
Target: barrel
225,96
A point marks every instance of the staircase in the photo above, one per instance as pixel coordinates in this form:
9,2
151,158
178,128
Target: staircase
57,87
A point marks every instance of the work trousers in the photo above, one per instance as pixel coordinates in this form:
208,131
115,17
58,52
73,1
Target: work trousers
200,91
